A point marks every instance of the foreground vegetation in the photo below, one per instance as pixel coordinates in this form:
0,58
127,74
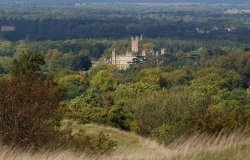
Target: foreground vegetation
200,147
53,111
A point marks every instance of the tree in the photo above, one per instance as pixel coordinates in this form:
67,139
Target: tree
149,75
153,110
136,62
216,107
128,91
54,60
176,77
149,47
28,65
121,46
26,112
81,63
240,63
5,64
2,71
74,84
28,104
103,81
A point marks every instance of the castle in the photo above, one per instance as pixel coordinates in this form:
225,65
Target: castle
123,61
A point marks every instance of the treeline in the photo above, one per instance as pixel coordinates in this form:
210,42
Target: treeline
71,54
122,21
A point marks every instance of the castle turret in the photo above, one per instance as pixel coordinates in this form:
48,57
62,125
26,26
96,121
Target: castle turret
137,44
113,59
162,51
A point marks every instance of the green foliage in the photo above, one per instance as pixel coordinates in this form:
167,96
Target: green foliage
81,62
74,137
151,76
248,91
94,70
54,61
158,109
121,46
149,47
5,64
215,107
28,65
74,84
89,99
176,77
113,116
240,63
232,80
6,48
125,92
167,133
103,81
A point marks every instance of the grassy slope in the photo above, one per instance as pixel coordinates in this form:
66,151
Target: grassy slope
133,147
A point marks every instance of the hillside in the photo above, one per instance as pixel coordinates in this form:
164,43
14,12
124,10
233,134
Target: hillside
130,146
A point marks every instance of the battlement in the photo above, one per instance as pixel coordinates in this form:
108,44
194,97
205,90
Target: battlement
137,38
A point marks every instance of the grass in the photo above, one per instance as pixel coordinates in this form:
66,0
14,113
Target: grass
132,147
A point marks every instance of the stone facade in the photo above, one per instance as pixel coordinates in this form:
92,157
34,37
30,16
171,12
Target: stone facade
123,61
137,44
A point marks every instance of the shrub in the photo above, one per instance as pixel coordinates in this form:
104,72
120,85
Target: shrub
153,110
26,112
114,116
167,133
74,137
125,92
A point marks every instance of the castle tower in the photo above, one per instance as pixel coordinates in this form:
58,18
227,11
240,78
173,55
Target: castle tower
113,59
137,44
163,51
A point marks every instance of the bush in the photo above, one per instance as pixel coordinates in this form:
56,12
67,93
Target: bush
114,116
152,111
26,112
167,133
125,92
74,137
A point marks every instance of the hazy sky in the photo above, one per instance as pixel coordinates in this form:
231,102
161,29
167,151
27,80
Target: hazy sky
146,1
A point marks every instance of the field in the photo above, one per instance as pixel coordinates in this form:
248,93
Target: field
130,146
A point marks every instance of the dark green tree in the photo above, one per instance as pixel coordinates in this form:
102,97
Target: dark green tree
81,62
28,65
